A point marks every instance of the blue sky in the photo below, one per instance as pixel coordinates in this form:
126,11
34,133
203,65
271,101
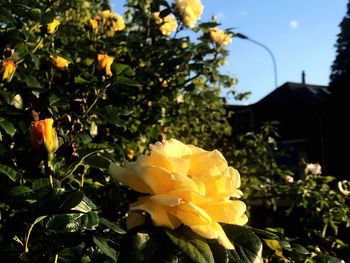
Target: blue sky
300,33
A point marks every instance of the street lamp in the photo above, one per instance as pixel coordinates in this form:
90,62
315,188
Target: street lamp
242,36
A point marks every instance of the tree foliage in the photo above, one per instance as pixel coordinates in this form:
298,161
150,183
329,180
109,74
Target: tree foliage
110,91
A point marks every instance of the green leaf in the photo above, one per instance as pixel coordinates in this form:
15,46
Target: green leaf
72,200
97,161
111,226
300,249
121,80
286,245
20,191
195,248
80,80
83,207
105,248
89,220
6,16
54,99
7,126
327,259
9,172
23,10
140,247
30,80
64,223
264,234
248,247
122,69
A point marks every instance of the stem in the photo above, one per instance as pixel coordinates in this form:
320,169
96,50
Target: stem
26,250
48,171
96,99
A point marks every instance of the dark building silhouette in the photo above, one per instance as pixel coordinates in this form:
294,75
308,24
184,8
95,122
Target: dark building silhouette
304,115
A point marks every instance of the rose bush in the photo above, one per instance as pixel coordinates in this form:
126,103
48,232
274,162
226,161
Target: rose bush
185,184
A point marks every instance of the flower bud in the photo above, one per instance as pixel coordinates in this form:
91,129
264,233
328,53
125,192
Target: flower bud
104,62
8,68
44,135
51,27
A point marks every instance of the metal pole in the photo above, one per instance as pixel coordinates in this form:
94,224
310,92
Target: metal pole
239,35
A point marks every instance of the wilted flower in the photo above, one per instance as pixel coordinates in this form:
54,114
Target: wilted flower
17,102
93,129
289,179
191,11
43,134
60,62
104,62
8,68
219,36
51,27
313,168
167,24
344,187
184,185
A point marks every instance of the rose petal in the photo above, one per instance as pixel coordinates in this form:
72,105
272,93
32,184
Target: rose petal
159,213
167,200
128,177
230,212
191,214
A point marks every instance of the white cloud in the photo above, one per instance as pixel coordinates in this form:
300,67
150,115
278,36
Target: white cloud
294,24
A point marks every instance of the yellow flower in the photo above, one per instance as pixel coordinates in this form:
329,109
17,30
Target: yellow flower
51,27
184,185
60,62
104,62
105,13
8,68
43,134
219,36
93,23
167,24
191,11
113,21
118,23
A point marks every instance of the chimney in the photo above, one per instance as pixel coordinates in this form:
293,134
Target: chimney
303,77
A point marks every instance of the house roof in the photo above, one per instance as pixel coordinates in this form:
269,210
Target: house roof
296,94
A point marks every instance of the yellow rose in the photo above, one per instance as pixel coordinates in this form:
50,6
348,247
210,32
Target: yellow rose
43,134
184,185
191,11
219,36
167,24
118,23
113,21
8,68
93,23
60,62
104,62
51,27
105,13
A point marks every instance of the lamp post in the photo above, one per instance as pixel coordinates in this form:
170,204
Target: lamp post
242,36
